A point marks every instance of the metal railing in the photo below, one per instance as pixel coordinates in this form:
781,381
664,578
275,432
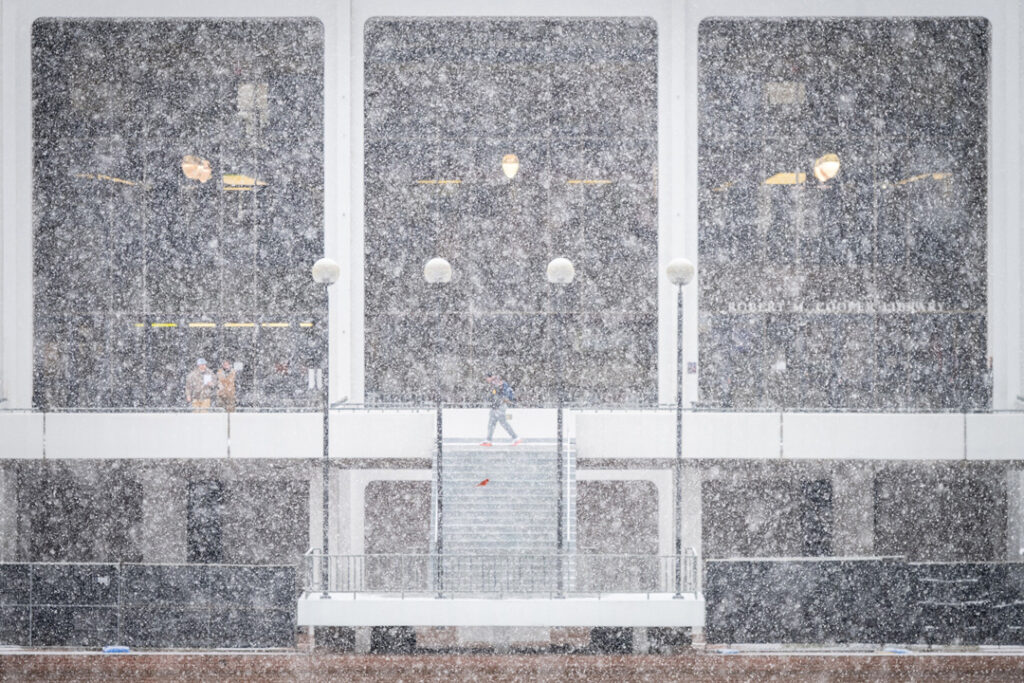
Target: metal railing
536,575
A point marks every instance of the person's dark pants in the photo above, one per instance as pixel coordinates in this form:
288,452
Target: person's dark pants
498,416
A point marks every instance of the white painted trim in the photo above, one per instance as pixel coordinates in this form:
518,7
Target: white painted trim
345,609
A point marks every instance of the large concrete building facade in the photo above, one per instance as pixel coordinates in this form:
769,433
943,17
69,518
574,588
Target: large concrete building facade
849,188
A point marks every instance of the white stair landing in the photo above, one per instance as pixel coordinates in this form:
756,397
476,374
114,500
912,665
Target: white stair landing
614,609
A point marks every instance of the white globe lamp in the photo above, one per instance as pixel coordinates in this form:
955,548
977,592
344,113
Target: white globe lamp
561,271
437,271
326,271
680,271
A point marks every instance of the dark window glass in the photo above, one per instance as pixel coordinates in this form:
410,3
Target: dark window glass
576,101
858,290
178,191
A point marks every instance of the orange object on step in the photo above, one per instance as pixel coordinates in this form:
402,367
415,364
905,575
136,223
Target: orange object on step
484,482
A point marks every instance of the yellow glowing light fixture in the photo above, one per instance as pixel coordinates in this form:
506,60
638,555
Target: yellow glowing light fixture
239,180
196,168
510,165
786,179
826,167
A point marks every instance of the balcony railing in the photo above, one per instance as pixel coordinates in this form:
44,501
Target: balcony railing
527,575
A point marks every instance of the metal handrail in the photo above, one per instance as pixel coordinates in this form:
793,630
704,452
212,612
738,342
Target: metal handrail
528,574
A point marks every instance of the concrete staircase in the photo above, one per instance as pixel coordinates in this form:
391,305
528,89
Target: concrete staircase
493,533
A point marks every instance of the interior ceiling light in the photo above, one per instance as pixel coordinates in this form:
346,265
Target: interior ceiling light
196,168
826,167
239,182
510,165
786,179
924,176
108,178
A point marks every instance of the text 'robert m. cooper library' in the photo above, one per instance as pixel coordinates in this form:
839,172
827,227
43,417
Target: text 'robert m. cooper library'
564,324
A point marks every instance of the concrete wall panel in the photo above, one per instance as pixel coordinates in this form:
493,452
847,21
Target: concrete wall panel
21,435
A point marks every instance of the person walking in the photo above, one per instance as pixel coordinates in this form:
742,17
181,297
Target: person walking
499,394
200,386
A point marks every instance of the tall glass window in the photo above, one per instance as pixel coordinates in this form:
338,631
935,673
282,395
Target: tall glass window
842,229
178,205
500,144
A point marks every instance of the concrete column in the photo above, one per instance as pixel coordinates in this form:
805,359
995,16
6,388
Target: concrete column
341,512
8,514
164,515
316,516
1014,514
692,510
853,509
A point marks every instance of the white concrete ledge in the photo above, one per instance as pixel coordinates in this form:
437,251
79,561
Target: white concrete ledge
136,435
528,423
344,609
21,435
650,434
873,436
995,436
276,435
641,435
382,434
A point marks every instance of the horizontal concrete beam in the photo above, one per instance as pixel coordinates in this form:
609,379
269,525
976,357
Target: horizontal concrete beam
995,436
21,435
344,609
873,436
382,435
136,435
276,435
649,434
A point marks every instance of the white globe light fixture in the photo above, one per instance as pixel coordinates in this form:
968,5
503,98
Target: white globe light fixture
680,271
561,271
437,271
326,271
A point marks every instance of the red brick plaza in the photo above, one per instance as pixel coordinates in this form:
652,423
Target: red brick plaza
690,666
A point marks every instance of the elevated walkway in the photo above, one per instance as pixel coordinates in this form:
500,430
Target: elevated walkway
500,590
608,610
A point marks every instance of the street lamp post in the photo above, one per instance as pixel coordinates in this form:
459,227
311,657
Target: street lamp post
560,272
326,272
438,272
680,272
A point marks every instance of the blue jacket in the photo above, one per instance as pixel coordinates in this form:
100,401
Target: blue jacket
501,395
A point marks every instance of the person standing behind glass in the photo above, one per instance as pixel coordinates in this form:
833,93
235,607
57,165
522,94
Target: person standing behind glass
200,386
226,391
